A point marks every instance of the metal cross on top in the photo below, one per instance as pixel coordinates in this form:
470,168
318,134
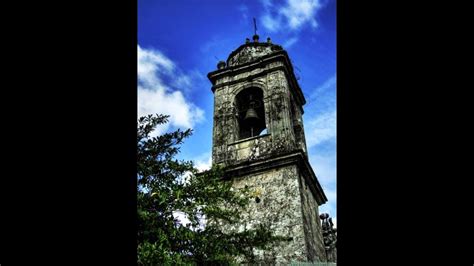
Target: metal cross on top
255,26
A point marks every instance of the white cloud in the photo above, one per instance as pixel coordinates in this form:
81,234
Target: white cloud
183,81
155,96
320,134
203,162
290,42
328,84
266,3
299,12
321,128
331,195
149,63
244,10
322,125
328,88
325,167
271,23
292,15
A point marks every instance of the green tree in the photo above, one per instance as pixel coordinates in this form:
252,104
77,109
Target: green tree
167,186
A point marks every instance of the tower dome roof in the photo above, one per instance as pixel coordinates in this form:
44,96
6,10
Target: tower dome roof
251,51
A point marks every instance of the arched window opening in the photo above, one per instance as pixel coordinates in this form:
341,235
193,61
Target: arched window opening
251,112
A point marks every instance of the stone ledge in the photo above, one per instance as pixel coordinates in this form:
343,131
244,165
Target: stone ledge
248,139
298,158
281,56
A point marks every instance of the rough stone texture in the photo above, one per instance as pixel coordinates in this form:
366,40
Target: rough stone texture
273,165
276,99
279,208
250,52
312,224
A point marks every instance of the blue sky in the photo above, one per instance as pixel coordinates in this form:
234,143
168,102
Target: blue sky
179,42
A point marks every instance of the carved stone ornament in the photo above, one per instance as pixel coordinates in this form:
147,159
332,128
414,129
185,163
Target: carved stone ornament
249,54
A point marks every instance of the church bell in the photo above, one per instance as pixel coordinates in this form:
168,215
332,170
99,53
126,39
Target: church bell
251,114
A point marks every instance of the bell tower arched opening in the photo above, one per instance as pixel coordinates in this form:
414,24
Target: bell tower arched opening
250,113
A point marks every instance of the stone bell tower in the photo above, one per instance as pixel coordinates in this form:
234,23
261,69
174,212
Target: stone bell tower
258,134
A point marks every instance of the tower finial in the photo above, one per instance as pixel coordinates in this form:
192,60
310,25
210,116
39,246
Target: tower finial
255,26
255,36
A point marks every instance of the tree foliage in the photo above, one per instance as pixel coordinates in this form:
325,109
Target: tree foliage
167,186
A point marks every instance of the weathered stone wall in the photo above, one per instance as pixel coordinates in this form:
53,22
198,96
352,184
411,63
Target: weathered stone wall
278,114
249,53
312,224
298,127
279,207
250,149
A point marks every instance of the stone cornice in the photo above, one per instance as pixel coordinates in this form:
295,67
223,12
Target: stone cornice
292,158
260,62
